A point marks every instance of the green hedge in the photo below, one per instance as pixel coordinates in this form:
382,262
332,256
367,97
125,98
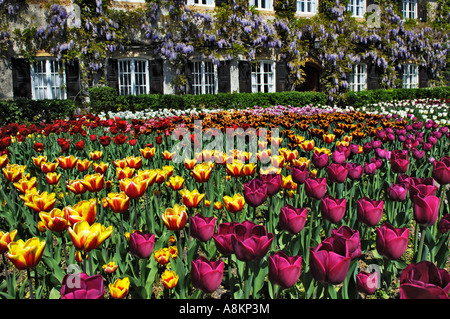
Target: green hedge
32,111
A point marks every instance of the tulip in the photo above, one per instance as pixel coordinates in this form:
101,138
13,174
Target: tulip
370,168
39,202
391,242
118,202
328,138
397,192
369,212
284,270
338,157
292,219
26,255
83,165
426,209
202,172
100,168
333,209
287,183
110,268
5,239
337,173
47,167
191,199
328,266
126,172
255,192
299,173
87,237
94,182
444,223
399,162
76,187
424,280
273,182
134,187
148,152
25,184
250,241
4,160
52,178
13,172
441,171
175,183
120,288
134,162
344,241
206,275
163,255
169,279
175,218
83,210
366,283
218,205
320,160
141,244
55,220
201,227
36,160
67,162
96,155
315,188
355,171
222,238
82,286
234,204
167,155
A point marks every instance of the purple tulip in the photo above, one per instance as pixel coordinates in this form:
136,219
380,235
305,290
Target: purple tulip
366,283
316,187
320,160
369,212
399,161
441,170
426,209
444,223
299,173
370,168
284,270
206,275
82,286
421,189
328,266
222,238
397,192
141,244
417,154
344,241
201,227
333,209
255,192
355,171
338,157
250,241
273,182
292,219
391,242
424,280
337,173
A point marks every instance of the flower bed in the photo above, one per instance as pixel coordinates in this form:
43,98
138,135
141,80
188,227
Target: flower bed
304,205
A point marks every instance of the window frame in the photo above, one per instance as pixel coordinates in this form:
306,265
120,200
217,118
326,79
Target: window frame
203,85
306,2
261,83
48,85
256,4
358,85
410,80
353,6
212,3
406,12
133,85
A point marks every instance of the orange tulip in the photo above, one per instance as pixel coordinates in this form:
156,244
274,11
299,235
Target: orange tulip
25,255
87,237
76,186
39,202
234,204
169,279
175,218
148,152
202,172
55,220
120,288
118,202
24,184
191,199
134,162
67,162
94,182
126,172
175,183
100,168
5,239
190,163
134,187
83,165
96,155
84,210
47,167
52,178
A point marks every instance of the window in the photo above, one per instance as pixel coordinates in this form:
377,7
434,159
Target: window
204,78
357,7
409,9
263,77
306,6
48,79
358,78
133,77
410,76
261,4
200,2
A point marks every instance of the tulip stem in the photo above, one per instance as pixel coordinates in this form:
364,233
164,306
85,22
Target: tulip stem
421,244
230,277
5,267
30,284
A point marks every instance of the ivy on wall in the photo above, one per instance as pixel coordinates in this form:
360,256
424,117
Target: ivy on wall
234,30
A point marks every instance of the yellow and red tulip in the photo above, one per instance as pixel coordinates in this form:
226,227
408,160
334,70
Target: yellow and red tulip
87,237
169,279
76,186
96,155
24,184
84,210
13,172
52,178
328,138
120,288
39,202
249,169
235,169
148,152
120,163
67,162
83,165
161,176
38,160
126,172
134,187
175,183
307,145
134,162
55,220
175,218
25,255
47,167
110,268
202,172
234,204
5,239
4,160
149,175
169,169
167,155
218,205
94,182
118,202
189,164
100,168
191,199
